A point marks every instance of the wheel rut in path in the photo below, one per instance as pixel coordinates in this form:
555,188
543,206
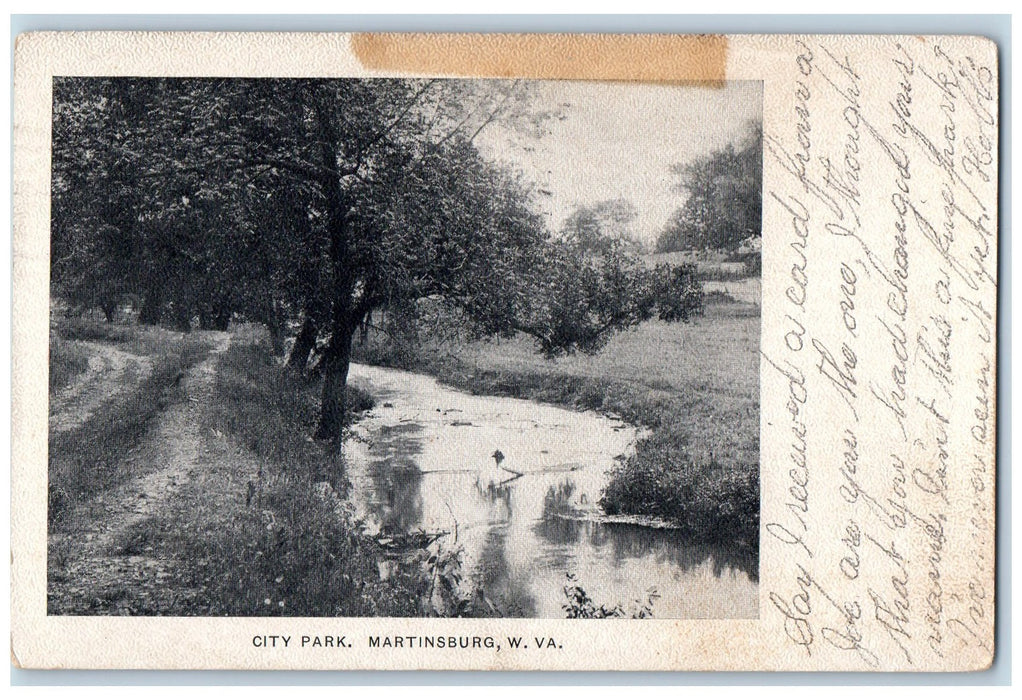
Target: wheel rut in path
110,372
95,567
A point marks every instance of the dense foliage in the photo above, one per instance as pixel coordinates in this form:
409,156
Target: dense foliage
725,201
602,226
712,501
308,204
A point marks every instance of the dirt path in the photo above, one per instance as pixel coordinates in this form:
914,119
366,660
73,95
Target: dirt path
103,563
110,372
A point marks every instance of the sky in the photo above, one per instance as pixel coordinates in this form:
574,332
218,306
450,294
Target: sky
618,140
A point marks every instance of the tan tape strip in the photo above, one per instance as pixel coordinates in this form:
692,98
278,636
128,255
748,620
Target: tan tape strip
668,58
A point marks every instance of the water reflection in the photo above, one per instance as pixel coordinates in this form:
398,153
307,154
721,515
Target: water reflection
563,524
397,482
502,593
498,495
521,535
628,541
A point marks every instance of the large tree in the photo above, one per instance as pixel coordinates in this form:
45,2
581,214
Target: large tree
314,202
724,198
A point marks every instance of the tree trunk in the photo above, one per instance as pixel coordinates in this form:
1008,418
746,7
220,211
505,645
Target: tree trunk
335,382
344,317
276,331
274,328
222,319
182,319
151,308
277,344
109,309
215,318
363,329
304,342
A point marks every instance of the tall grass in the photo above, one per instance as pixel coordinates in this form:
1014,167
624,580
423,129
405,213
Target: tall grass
285,544
271,411
88,328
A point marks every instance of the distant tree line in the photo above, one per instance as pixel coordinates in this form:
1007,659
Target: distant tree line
725,201
305,205
602,226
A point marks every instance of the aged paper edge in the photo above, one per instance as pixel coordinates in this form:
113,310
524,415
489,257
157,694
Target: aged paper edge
323,55
661,58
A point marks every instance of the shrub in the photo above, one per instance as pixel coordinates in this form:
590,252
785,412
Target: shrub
715,502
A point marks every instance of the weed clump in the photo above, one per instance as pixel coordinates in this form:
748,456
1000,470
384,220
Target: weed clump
579,605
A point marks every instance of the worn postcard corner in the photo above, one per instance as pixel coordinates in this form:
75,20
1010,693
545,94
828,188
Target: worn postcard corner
423,351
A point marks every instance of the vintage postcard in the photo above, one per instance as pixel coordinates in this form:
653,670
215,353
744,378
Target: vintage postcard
533,352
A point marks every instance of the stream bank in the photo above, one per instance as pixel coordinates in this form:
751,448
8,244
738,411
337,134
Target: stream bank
515,486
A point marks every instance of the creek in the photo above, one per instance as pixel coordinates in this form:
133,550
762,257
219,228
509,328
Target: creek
423,459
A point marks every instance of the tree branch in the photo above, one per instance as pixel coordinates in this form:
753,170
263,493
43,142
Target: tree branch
495,112
393,124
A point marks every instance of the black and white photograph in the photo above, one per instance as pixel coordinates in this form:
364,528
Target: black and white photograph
381,347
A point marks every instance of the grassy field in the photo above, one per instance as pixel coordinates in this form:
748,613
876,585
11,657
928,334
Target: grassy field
710,367
694,385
